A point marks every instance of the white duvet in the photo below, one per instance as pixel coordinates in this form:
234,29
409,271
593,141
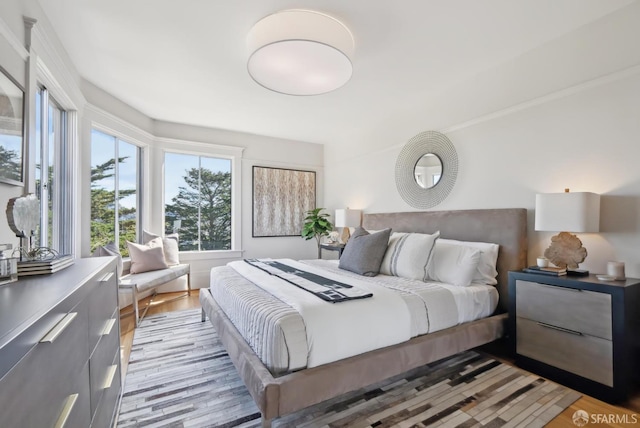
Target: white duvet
338,330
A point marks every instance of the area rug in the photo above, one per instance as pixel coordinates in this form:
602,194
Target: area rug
179,375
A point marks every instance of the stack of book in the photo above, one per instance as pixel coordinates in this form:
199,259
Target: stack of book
549,270
42,267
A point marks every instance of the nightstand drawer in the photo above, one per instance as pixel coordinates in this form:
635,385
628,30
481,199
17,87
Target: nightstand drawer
587,356
586,312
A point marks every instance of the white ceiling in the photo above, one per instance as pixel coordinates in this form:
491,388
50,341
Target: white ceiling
185,61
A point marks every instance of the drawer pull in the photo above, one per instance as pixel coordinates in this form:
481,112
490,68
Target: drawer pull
111,373
106,278
555,327
108,327
555,287
59,328
66,411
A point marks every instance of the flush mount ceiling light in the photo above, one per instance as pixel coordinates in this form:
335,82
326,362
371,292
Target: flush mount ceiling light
300,52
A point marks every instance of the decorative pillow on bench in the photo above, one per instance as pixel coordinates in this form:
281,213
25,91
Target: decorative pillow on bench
111,250
145,258
169,244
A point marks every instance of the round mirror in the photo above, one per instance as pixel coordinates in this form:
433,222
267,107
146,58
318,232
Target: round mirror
428,171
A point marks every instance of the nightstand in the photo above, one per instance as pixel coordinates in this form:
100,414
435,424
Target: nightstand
578,331
333,247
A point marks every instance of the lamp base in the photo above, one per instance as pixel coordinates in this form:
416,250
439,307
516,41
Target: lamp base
566,250
346,234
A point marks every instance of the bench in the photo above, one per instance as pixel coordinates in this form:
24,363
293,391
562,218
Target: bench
141,282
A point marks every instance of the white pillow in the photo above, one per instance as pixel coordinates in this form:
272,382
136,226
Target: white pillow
486,272
453,264
408,255
169,244
145,258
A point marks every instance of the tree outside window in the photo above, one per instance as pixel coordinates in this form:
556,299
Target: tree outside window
114,191
198,201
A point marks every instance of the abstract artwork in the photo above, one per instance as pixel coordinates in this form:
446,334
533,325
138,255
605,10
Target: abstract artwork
280,199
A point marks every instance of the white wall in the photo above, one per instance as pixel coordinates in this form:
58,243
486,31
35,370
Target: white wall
579,131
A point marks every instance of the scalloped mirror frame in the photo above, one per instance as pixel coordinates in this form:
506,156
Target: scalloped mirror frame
424,143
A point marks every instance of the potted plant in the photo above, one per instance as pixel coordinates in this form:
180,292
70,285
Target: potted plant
316,225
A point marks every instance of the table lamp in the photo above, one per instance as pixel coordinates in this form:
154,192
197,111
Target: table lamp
346,218
567,212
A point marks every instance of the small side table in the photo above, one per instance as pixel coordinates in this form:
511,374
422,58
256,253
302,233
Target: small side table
333,247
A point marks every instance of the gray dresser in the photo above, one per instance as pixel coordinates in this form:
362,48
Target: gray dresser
577,330
60,348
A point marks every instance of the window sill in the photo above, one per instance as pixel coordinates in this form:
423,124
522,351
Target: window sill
187,256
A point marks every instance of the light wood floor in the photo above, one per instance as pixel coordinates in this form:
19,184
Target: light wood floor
163,303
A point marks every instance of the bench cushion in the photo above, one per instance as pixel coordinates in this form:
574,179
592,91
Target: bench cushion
147,280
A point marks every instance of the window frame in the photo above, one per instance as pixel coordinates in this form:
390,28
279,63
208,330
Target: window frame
140,178
62,197
232,153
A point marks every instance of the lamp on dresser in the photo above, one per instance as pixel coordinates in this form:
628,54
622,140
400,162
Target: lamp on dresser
567,212
346,218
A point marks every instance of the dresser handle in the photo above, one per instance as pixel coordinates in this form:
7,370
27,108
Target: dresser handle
66,411
555,327
106,278
59,328
108,326
111,373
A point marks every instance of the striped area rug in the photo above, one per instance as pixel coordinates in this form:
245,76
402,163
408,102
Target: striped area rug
179,375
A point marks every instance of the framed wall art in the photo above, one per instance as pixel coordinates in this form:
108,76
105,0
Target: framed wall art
11,130
280,199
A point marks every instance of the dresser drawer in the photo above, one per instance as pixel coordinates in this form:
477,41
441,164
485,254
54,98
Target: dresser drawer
100,364
105,412
38,387
586,312
587,356
102,302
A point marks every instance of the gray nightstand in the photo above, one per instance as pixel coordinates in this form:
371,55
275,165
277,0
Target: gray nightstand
579,331
333,247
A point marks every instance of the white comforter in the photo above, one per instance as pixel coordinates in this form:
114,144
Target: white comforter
338,330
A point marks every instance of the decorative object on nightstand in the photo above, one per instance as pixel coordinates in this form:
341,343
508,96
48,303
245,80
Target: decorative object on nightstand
581,332
567,212
346,218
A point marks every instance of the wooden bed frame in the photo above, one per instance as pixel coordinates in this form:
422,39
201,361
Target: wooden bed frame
278,396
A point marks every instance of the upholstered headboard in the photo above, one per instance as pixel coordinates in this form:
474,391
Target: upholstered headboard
505,227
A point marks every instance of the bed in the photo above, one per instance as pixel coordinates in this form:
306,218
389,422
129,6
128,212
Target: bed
277,394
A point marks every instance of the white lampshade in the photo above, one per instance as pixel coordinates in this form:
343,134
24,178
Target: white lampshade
300,52
568,212
347,218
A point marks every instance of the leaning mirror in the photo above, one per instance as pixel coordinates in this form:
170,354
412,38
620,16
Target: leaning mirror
11,130
426,169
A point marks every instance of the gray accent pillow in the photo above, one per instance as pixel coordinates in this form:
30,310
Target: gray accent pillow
364,252
169,244
111,250
145,258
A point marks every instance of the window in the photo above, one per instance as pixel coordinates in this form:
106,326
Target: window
115,191
197,199
55,229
